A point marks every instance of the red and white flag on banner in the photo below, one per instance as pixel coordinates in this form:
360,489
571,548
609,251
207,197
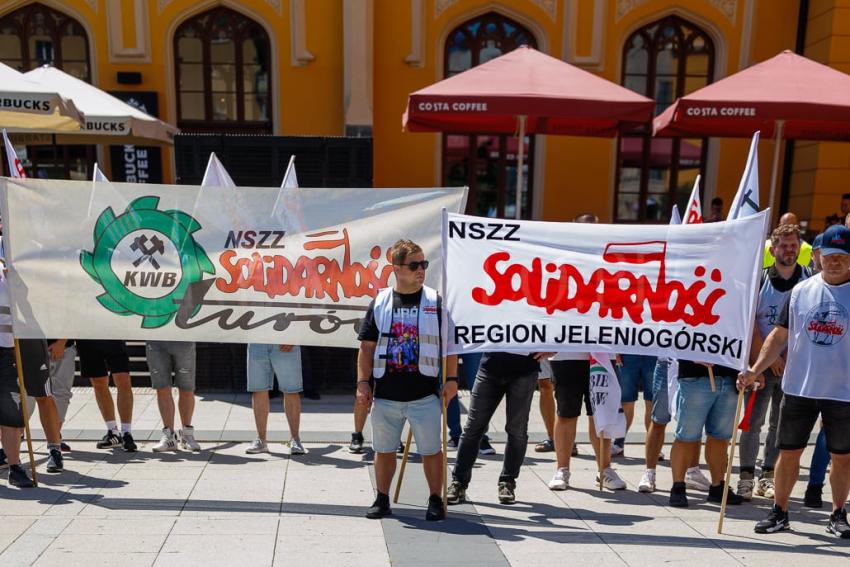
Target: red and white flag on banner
746,201
15,167
605,397
693,214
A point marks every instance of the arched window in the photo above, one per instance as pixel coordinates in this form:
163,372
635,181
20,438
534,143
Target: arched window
36,35
665,60
487,163
223,73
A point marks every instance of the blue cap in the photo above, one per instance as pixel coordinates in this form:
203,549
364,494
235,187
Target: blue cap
818,242
836,240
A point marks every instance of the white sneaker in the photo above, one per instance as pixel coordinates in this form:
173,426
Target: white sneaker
647,481
296,448
187,439
745,487
168,442
257,446
561,480
696,480
611,480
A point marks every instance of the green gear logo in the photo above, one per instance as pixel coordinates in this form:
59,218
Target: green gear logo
145,259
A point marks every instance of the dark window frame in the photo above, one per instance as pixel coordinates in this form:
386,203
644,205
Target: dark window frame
475,42
654,42
242,28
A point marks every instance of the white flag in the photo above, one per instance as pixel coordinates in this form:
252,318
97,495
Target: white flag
15,167
693,214
675,217
673,387
290,179
605,396
746,201
216,175
98,175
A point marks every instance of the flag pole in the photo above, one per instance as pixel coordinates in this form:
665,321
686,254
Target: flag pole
403,465
445,467
729,462
520,160
23,393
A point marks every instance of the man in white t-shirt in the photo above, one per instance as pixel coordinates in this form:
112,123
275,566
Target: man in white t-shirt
816,383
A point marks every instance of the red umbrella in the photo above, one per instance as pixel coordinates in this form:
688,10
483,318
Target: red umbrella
526,92
787,96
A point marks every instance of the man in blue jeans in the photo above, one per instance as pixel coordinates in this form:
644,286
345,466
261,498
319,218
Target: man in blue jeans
700,408
636,373
469,364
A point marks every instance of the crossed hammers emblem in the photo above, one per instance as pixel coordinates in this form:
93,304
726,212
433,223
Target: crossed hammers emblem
141,244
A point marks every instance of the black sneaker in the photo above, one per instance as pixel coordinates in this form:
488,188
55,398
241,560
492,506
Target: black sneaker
18,477
545,446
776,521
715,494
574,452
380,507
110,440
456,493
65,447
814,496
54,461
506,492
4,464
453,443
838,524
679,495
400,448
129,444
435,511
484,448
356,445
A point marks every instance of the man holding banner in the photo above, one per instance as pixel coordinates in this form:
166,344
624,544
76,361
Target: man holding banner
401,349
816,383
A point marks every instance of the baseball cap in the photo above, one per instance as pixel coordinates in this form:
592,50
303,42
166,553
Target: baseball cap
817,243
836,240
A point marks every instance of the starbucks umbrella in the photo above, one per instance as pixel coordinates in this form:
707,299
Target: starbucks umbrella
526,92
108,120
28,106
787,96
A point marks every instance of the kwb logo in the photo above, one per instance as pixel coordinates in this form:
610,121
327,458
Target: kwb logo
615,294
145,259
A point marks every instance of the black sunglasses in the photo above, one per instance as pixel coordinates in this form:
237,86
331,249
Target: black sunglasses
415,265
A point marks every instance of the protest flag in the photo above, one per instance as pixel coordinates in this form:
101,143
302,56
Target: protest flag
215,174
15,167
746,201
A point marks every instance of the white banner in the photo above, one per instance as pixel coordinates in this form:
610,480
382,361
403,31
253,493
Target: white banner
678,291
175,262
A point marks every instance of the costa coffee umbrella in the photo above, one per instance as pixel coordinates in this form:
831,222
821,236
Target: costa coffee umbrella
108,120
27,105
526,92
787,96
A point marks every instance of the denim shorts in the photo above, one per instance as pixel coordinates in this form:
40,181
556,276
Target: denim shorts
636,373
424,416
700,407
267,361
660,400
167,359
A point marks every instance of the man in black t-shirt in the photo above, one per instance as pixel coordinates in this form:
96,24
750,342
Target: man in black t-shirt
400,349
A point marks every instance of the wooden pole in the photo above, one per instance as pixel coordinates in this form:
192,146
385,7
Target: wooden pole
403,465
729,462
711,377
23,393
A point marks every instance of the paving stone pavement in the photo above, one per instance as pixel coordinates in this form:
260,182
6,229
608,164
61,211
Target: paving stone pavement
222,506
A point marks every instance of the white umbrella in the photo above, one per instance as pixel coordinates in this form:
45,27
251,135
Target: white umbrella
27,106
108,120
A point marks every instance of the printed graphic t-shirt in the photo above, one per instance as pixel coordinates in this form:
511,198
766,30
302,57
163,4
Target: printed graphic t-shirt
402,381
817,315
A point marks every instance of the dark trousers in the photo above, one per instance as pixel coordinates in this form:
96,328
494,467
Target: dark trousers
487,393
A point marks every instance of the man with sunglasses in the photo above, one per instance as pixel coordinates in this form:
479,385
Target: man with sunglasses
400,349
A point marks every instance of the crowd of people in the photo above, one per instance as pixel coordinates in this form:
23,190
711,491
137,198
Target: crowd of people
798,374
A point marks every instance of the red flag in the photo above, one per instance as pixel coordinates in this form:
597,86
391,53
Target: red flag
745,422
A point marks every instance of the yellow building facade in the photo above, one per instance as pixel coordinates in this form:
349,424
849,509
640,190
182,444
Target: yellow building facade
337,67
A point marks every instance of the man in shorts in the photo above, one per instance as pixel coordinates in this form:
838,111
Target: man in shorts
636,372
63,353
172,363
98,360
816,383
264,363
